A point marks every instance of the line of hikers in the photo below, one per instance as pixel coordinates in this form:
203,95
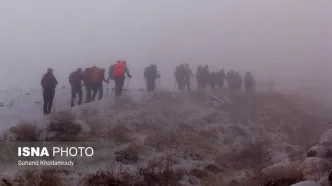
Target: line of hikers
92,79
205,78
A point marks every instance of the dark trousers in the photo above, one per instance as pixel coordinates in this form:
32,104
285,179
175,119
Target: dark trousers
201,84
188,84
221,84
119,82
48,95
97,87
180,84
151,84
76,90
212,85
88,89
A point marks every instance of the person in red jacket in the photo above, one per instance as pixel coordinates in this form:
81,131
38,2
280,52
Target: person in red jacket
117,73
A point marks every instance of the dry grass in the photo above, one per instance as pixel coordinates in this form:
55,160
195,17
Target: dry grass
162,173
64,131
252,156
26,132
119,134
162,141
277,177
131,153
38,178
107,178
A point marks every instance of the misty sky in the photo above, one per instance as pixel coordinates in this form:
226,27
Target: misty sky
268,37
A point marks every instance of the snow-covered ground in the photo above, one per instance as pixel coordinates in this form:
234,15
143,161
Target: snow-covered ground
213,138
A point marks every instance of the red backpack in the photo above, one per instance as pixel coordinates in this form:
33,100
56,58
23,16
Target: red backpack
119,69
95,74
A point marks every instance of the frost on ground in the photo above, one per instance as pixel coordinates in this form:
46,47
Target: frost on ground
215,138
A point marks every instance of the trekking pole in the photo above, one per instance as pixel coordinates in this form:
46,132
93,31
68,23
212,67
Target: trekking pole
159,82
127,86
108,81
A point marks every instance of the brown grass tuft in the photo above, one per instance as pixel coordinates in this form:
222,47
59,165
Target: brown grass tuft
40,178
64,128
130,154
106,178
26,132
120,134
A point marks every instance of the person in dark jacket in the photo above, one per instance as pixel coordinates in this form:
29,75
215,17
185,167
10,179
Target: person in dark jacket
48,84
117,73
231,80
202,76
179,75
75,80
150,76
249,83
221,76
212,81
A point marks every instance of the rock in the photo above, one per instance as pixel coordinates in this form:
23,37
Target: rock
281,169
326,136
312,153
314,168
324,181
306,183
193,180
317,151
278,157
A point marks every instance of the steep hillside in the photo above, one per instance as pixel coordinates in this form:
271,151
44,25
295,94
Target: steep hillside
196,138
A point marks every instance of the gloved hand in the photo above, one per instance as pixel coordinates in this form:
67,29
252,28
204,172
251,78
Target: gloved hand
129,76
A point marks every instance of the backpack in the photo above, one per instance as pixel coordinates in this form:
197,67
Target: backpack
95,75
119,69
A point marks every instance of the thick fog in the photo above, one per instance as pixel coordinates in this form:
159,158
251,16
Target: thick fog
286,39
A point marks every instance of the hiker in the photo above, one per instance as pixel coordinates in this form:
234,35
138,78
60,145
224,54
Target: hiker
151,75
86,77
48,84
249,83
179,76
96,74
212,81
182,76
75,80
117,73
199,77
221,76
231,80
202,77
99,86
188,75
238,82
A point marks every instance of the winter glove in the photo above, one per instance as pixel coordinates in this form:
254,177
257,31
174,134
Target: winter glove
129,76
